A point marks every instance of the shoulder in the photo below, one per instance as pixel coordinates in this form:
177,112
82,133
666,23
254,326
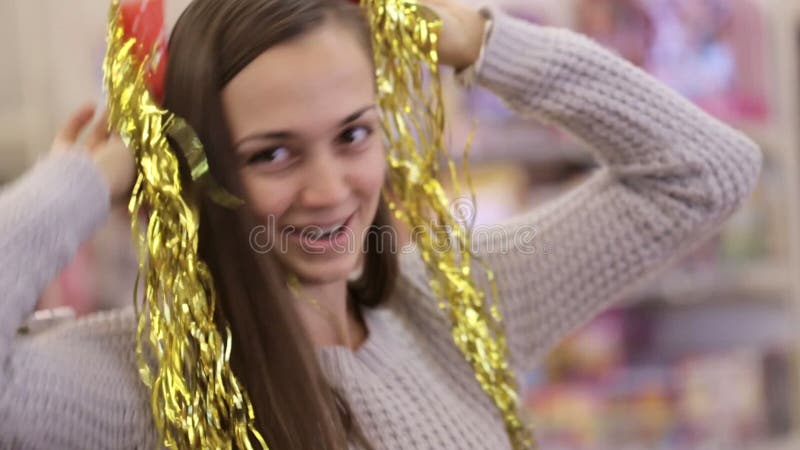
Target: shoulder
414,303
413,290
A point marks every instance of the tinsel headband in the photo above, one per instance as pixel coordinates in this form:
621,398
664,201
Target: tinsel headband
197,401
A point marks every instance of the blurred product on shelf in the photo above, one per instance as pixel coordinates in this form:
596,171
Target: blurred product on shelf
715,52
624,25
712,51
600,392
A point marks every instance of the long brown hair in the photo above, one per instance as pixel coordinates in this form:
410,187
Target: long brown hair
272,354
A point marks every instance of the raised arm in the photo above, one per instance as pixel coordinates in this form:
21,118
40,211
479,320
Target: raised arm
48,379
44,216
669,176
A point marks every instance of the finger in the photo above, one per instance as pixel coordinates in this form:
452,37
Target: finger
99,133
77,121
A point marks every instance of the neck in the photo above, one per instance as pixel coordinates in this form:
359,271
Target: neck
328,317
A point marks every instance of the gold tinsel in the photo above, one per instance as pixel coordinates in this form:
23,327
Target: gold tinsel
196,399
197,402
405,38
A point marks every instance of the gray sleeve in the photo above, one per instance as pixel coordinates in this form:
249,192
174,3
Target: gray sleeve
669,176
44,216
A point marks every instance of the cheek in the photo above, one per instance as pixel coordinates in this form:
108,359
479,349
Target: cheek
370,172
265,196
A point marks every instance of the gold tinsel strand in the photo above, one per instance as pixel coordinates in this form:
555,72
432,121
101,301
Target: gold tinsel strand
405,39
197,402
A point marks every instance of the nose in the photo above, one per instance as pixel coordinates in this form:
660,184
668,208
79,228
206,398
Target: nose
325,182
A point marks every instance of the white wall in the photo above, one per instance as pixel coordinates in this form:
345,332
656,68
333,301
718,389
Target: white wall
51,53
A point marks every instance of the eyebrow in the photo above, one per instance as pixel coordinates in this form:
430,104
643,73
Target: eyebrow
277,135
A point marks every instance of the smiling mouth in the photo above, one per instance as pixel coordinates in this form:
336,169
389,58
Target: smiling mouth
320,232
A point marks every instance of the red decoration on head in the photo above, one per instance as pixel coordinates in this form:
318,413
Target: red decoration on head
143,20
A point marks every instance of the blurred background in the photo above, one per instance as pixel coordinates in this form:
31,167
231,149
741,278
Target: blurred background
705,357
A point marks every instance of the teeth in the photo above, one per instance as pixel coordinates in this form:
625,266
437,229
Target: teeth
322,232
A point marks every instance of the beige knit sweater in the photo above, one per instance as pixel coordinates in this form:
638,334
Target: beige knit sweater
669,175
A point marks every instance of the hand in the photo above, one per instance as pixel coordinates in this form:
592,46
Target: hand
114,161
461,36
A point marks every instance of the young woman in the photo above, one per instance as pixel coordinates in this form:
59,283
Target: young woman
282,95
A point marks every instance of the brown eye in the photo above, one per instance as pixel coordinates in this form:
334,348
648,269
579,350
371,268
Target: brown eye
355,135
271,156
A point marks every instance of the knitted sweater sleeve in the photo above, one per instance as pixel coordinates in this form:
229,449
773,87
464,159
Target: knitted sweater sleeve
668,176
62,388
44,216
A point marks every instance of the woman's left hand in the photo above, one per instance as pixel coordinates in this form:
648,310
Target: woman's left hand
114,161
461,36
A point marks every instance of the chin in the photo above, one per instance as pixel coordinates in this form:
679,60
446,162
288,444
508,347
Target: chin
323,271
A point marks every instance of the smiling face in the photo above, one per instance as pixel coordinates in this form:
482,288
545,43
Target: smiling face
306,135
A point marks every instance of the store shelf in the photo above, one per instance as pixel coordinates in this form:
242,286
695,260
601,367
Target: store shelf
790,443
